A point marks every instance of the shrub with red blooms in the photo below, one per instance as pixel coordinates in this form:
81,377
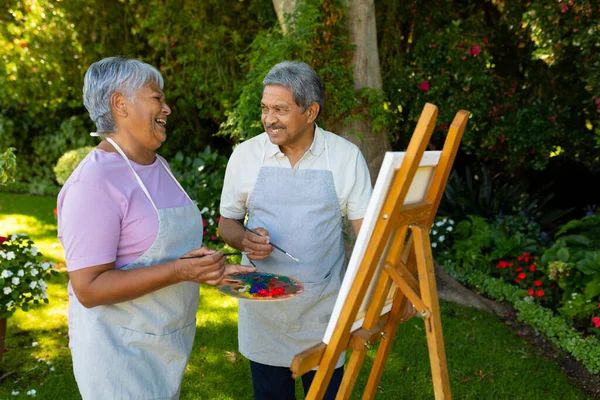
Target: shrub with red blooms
525,273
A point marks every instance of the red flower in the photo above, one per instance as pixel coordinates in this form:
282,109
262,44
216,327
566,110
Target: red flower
540,293
598,303
519,269
213,237
460,45
530,292
485,40
475,50
23,44
522,275
444,127
4,239
532,267
424,86
55,211
538,283
596,322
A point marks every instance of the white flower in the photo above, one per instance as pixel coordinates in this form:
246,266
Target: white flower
31,392
34,344
205,209
212,212
7,273
34,251
13,237
42,285
46,265
10,304
2,254
211,221
451,221
434,232
52,369
15,281
449,229
32,285
21,273
439,223
441,238
434,245
33,272
25,250
28,264
15,393
10,255
7,290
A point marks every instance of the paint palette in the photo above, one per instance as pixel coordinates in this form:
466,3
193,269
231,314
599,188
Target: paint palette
260,286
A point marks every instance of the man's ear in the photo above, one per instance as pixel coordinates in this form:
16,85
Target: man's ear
118,105
313,112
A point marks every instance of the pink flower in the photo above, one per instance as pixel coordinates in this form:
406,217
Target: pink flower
475,50
444,127
596,322
424,86
213,237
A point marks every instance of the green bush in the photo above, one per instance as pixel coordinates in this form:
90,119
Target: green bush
68,162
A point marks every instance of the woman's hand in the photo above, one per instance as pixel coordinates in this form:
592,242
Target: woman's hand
207,266
258,246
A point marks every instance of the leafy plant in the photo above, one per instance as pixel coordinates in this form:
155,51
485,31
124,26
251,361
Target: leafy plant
22,276
68,162
8,166
202,178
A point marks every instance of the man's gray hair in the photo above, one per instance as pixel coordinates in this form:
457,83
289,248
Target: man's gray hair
114,74
301,79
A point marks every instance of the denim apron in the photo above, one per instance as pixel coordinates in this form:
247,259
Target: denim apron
300,209
138,349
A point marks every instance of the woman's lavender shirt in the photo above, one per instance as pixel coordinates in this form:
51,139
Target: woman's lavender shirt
104,215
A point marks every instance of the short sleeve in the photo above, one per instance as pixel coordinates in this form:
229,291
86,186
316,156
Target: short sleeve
89,226
233,199
360,193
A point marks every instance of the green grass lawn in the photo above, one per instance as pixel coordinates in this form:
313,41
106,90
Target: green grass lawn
486,359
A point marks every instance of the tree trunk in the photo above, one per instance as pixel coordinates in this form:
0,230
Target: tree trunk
283,7
367,74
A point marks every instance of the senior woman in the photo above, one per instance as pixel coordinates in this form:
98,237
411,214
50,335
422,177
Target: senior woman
129,229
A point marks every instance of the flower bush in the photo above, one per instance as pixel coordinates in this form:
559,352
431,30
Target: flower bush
526,273
22,274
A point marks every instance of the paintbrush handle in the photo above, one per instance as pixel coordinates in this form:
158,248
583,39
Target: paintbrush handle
272,244
237,253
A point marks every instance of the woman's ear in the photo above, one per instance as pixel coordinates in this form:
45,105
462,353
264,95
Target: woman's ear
118,105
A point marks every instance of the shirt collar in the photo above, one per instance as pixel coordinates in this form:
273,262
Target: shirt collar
316,148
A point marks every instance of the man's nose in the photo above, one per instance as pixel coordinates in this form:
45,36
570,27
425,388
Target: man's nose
270,117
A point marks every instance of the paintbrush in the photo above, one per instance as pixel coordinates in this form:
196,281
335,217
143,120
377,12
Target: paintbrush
272,244
237,253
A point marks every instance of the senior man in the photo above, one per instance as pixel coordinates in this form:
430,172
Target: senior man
295,182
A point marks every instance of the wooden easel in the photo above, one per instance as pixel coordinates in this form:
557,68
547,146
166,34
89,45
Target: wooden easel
400,243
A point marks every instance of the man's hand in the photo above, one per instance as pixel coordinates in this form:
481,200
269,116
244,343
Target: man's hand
258,246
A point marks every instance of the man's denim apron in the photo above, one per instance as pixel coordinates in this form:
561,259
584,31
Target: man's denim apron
300,209
139,349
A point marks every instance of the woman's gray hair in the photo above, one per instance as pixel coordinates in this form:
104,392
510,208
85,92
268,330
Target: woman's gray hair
114,74
301,79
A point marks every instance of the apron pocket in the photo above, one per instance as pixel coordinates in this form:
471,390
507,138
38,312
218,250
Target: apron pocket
151,366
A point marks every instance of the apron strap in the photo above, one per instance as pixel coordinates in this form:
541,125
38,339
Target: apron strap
137,177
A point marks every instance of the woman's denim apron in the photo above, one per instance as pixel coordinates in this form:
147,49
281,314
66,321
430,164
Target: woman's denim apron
300,209
139,349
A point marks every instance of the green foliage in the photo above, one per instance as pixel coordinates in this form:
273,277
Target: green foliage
8,166
527,72
23,272
67,163
319,37
202,178
476,191
543,320
573,262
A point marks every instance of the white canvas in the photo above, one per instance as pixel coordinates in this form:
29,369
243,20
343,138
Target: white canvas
421,182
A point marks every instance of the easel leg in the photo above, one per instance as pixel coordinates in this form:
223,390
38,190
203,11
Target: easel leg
433,322
351,374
